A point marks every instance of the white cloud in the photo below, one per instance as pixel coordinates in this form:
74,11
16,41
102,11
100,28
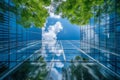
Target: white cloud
52,15
51,9
50,43
49,38
64,0
52,32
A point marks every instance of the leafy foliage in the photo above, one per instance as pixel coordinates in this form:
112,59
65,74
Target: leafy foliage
78,11
32,12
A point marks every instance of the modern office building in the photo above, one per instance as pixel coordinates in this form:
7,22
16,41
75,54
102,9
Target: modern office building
17,43
102,38
94,57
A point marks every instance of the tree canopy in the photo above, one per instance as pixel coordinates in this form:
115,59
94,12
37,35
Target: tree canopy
32,12
76,11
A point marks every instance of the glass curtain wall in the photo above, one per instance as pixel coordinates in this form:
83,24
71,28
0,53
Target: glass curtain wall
101,36
17,43
24,56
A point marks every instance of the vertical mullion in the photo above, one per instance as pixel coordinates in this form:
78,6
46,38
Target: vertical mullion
9,33
94,33
99,33
106,29
115,6
16,36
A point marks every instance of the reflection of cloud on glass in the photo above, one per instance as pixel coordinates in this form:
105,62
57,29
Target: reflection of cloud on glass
51,45
59,64
89,35
55,63
49,39
55,75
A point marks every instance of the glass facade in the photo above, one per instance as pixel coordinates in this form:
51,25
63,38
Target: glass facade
17,43
25,56
65,61
101,38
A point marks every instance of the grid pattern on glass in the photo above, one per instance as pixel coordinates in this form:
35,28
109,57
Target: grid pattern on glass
17,43
66,56
101,36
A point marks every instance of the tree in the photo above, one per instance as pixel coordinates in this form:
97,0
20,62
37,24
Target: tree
32,12
78,11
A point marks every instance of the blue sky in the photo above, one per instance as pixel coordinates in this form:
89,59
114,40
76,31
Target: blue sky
69,32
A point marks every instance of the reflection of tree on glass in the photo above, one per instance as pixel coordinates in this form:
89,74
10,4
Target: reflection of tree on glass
31,71
81,69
